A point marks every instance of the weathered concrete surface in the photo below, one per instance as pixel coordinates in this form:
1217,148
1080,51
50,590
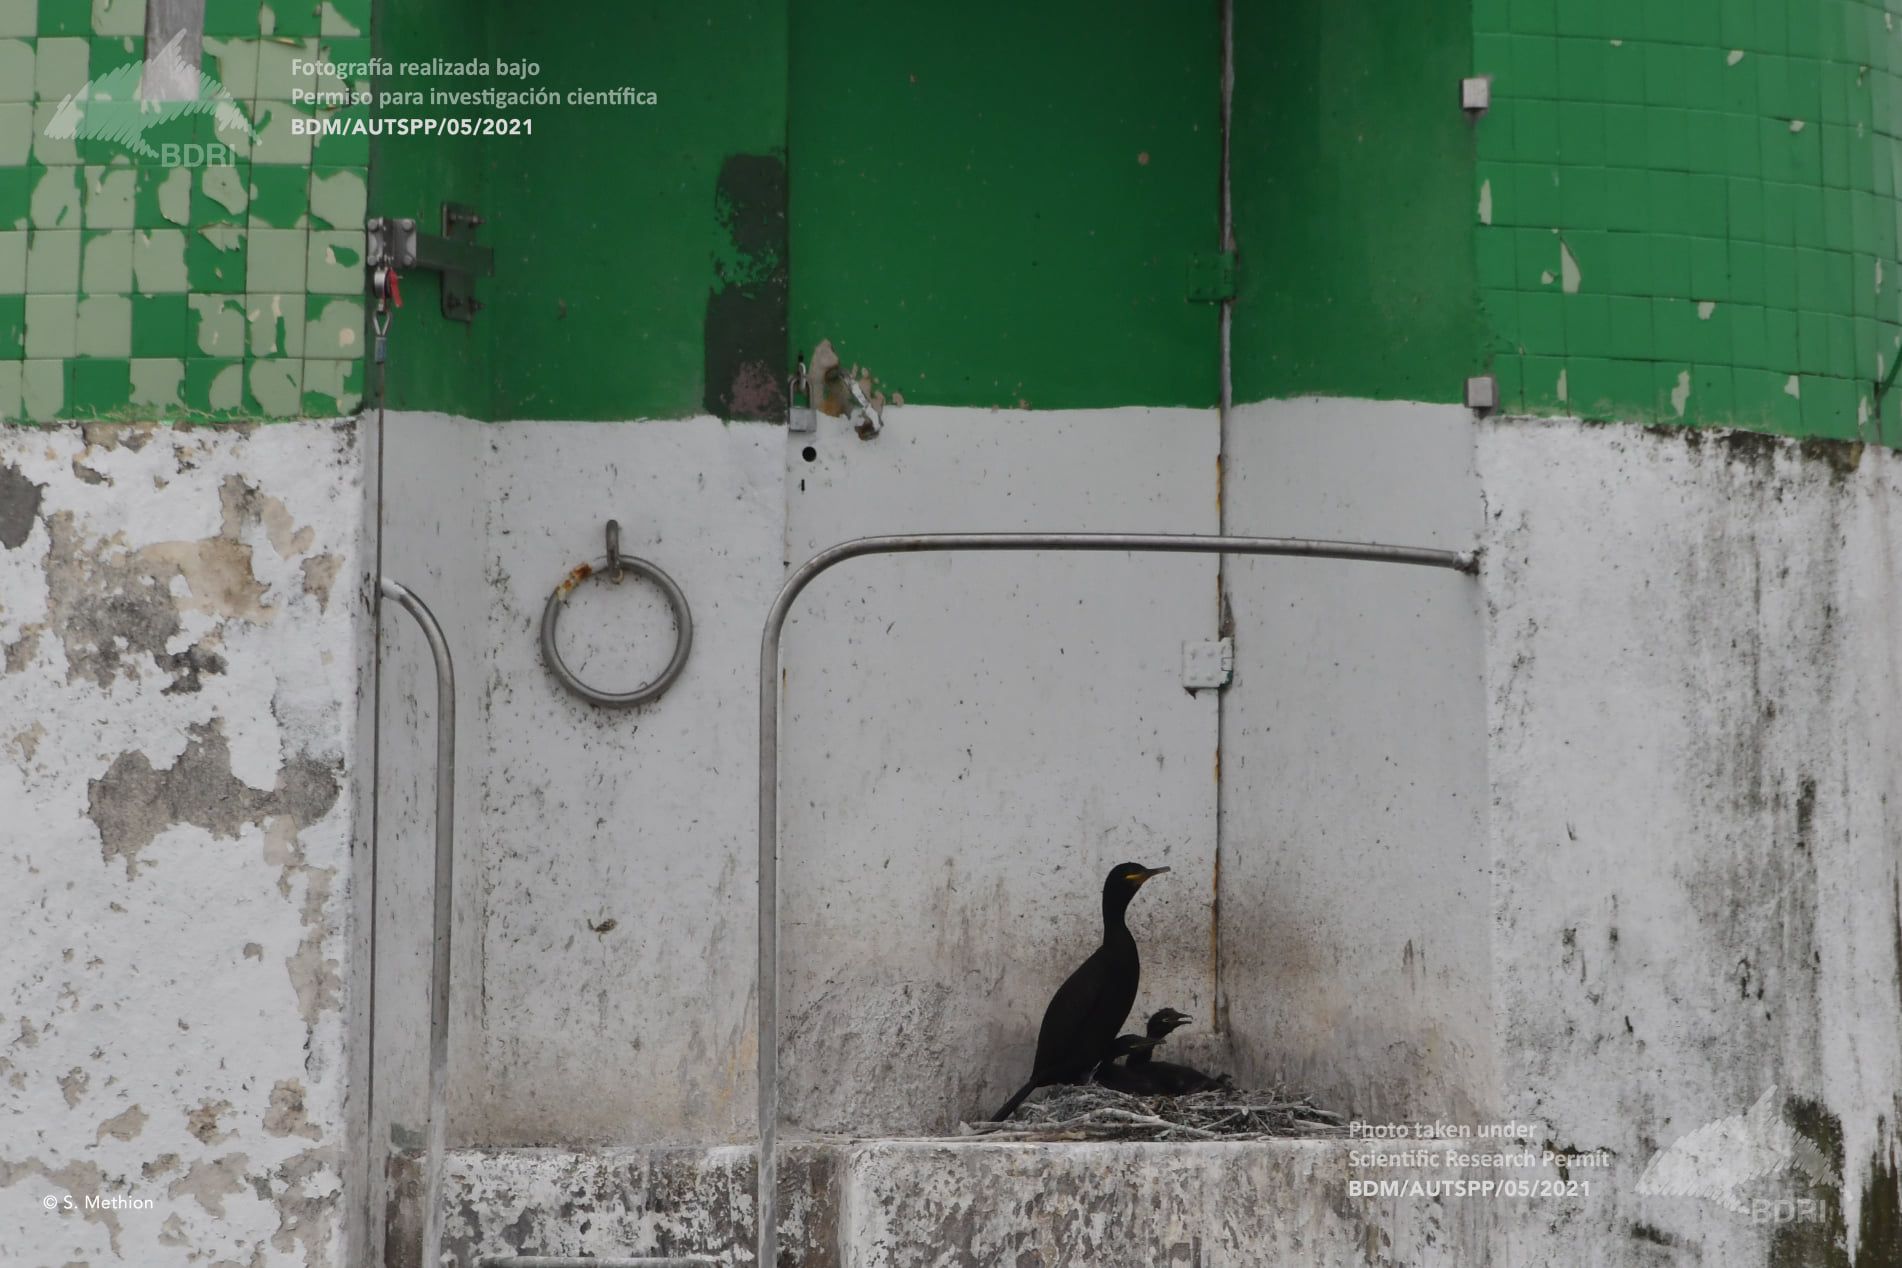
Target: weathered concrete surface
1693,721
183,636
626,1202
970,742
1356,893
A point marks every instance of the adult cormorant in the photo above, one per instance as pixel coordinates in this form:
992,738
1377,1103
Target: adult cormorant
1090,1007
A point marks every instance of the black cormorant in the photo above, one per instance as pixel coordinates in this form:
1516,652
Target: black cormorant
1090,1007
1166,1078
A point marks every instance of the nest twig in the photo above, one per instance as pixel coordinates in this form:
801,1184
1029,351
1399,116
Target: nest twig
1091,1111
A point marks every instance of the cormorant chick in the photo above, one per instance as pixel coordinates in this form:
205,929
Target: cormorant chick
1080,1025
1167,1077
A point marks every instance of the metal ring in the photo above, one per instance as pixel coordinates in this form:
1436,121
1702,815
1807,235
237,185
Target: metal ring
683,638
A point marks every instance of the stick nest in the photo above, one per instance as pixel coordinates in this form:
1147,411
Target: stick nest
1091,1111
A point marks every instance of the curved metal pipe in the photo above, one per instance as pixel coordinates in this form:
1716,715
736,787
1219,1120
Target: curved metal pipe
910,543
444,902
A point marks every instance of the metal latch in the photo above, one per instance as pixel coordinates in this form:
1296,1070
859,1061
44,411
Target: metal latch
1212,277
454,254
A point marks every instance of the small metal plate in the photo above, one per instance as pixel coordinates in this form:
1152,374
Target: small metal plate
1210,664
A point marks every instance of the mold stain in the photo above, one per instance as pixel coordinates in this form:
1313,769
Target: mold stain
745,329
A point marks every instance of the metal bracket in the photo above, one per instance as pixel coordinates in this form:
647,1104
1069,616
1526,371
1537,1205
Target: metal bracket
454,254
1212,277
1206,665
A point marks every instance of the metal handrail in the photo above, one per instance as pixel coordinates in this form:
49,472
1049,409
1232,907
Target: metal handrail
767,1195
444,900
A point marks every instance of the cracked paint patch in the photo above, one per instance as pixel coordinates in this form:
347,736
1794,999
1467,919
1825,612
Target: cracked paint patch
186,603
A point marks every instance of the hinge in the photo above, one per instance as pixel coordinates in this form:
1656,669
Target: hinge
454,255
1212,277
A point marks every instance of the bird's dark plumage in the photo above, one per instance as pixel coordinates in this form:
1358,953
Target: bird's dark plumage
1167,1078
1084,1015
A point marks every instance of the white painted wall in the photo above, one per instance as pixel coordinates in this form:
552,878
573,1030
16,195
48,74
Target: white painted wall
179,895
1355,873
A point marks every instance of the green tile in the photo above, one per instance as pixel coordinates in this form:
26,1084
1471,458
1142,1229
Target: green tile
1712,401
106,262
233,62
161,326
278,140
52,261
338,146
334,327
1534,17
60,67
233,17
221,195
16,70
99,388
1541,324
13,262
47,150
158,261
346,17
1535,195
332,387
1544,384
110,52
1829,408
110,197
11,409
1536,132
118,17
338,197
16,132
336,262
52,326
1674,333
12,327
1781,340
276,325
1710,268
214,387
1587,326
1749,337
278,260
291,17
1509,371
158,385
65,17
105,326
1625,74
1495,257
43,389
1630,318
216,258
280,197
275,386
57,198
16,197
1746,272
216,326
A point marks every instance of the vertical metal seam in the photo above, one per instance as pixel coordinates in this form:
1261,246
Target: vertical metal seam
1218,1010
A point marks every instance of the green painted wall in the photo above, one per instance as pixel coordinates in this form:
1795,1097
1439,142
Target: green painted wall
1001,203
145,284
1687,211
1352,181
640,250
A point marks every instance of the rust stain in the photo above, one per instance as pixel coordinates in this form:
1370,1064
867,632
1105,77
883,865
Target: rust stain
578,574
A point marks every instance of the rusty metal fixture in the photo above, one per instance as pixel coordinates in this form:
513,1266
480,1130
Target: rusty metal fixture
766,1195
615,566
